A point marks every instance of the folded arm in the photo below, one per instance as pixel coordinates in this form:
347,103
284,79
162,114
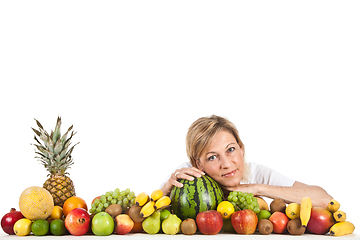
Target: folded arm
319,197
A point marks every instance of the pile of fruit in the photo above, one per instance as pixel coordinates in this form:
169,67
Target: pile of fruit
199,206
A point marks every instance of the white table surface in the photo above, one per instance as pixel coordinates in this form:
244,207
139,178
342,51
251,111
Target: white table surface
182,236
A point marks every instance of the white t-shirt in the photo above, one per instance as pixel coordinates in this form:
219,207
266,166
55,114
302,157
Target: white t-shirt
259,174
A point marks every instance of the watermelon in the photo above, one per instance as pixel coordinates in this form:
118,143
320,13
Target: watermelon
196,196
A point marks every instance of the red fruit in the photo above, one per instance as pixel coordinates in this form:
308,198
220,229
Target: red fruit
77,222
320,221
9,219
244,221
279,221
209,222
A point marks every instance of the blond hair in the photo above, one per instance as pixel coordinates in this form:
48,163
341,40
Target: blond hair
201,133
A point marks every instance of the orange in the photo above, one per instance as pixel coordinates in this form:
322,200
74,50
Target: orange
72,203
137,227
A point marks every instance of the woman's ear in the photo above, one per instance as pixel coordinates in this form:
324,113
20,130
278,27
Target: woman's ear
198,164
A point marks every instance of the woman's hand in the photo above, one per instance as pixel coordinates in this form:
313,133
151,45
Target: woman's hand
183,173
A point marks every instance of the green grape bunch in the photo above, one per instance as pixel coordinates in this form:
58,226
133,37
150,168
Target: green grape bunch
125,199
242,201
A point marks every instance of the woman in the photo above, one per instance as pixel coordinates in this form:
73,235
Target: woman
214,148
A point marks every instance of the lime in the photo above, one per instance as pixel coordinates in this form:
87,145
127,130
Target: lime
57,227
40,227
263,214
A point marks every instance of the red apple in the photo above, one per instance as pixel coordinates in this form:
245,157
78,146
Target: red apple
320,221
244,221
209,222
279,221
124,224
77,222
8,220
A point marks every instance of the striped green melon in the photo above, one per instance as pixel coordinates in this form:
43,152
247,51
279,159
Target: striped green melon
196,196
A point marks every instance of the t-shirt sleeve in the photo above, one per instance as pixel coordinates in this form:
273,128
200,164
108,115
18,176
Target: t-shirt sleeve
261,174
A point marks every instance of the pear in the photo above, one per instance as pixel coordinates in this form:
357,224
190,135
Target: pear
151,224
171,225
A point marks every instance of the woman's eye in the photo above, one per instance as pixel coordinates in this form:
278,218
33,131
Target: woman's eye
213,157
231,149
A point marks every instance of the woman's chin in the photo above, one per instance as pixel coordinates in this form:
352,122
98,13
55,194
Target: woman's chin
229,183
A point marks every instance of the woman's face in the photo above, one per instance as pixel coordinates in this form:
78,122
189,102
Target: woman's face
223,161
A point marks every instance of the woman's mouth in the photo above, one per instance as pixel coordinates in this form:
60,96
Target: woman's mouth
229,174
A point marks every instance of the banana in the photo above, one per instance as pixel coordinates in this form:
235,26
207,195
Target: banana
342,228
162,202
147,209
305,211
155,195
141,199
333,206
339,216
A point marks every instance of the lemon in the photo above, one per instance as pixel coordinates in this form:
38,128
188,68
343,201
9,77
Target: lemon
22,227
226,209
293,211
57,213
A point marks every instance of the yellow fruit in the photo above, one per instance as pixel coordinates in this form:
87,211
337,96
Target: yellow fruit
147,209
141,199
57,213
342,228
155,195
226,209
22,227
162,202
263,205
305,210
36,203
293,211
333,206
339,216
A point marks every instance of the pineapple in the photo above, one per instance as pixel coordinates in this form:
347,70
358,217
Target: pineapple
56,158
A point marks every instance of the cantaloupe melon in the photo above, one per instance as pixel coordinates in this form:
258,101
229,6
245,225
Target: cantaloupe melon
36,203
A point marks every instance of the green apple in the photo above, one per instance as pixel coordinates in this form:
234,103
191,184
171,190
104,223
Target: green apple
102,224
263,214
164,214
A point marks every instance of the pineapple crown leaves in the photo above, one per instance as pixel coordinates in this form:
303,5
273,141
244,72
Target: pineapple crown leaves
53,153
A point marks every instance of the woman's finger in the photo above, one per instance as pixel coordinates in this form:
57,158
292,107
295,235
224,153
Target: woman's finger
190,171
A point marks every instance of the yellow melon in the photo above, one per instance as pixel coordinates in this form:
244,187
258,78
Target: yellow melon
36,203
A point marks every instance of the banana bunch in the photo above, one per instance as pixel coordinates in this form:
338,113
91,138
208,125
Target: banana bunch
341,227
151,203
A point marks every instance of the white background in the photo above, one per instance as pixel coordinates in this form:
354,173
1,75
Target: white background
131,76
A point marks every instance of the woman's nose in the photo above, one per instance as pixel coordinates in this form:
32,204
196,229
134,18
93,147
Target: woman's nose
225,162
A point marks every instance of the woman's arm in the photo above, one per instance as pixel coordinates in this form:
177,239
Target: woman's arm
319,197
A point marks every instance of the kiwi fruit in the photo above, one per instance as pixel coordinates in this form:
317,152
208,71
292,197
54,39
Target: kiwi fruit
134,213
265,227
295,227
277,205
114,210
188,226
